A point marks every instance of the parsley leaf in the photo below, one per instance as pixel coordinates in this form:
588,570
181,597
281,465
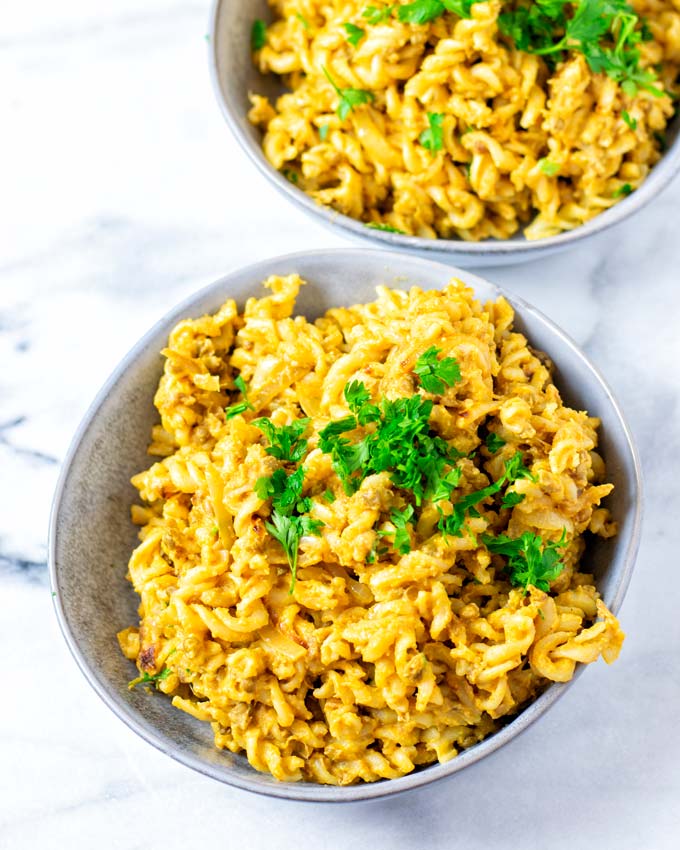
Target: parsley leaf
436,375
349,98
146,679
377,15
493,442
424,11
286,441
511,499
258,35
329,496
547,167
241,406
530,561
630,121
303,20
622,191
400,520
323,132
378,225
354,33
432,139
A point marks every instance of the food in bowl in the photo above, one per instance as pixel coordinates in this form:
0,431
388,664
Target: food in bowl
451,119
361,544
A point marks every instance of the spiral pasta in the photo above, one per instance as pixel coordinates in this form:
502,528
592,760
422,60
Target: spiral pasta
373,665
524,146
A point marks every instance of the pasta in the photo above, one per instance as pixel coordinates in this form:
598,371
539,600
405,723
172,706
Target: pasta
520,144
390,649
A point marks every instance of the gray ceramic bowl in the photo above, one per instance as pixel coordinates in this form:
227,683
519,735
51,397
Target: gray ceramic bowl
234,75
91,535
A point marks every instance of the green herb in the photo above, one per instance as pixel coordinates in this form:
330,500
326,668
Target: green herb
376,14
400,443
241,406
511,499
349,98
291,176
289,522
400,520
467,506
632,122
378,225
432,139
436,375
329,496
622,191
258,35
286,441
530,560
493,442
54,593
354,33
548,167
606,32
323,132
424,11
215,530
303,20
146,679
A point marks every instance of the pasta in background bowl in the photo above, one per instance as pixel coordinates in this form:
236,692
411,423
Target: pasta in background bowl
93,599
485,167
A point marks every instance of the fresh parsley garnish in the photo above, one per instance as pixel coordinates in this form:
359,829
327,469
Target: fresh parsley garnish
436,375
401,519
493,442
630,121
303,20
323,132
290,175
424,11
511,499
354,33
432,139
329,496
286,441
377,14
547,167
350,98
289,522
146,679
258,35
530,560
241,406
378,225
622,191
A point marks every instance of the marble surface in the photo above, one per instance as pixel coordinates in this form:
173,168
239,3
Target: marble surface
122,192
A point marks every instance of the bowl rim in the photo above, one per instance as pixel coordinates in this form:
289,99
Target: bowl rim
312,792
658,179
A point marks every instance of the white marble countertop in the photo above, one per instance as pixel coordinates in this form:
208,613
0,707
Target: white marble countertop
122,192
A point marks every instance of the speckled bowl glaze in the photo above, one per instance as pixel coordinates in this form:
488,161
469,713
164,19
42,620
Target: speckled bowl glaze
234,75
91,535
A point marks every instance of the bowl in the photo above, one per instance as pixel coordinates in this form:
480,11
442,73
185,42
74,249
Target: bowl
234,75
91,535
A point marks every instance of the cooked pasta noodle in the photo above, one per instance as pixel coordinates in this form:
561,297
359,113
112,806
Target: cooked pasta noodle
379,660
523,145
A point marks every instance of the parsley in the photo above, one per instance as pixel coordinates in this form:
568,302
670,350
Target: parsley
289,522
493,442
146,679
349,98
400,520
630,121
432,139
241,406
286,441
436,375
530,561
329,496
258,35
354,33
606,32
378,225
424,11
622,191
511,499
548,167
323,132
376,15
303,20
290,175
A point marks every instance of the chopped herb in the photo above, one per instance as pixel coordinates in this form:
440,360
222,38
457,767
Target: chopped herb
424,11
146,679
511,499
376,14
290,175
493,442
530,560
329,496
303,20
400,520
286,441
349,98
622,191
432,139
436,375
354,33
241,406
323,132
378,225
548,167
258,35
54,593
630,121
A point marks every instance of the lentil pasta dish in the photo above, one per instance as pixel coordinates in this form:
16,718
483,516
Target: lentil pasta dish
361,541
460,120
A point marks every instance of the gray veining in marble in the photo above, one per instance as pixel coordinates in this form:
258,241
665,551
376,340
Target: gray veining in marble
121,193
